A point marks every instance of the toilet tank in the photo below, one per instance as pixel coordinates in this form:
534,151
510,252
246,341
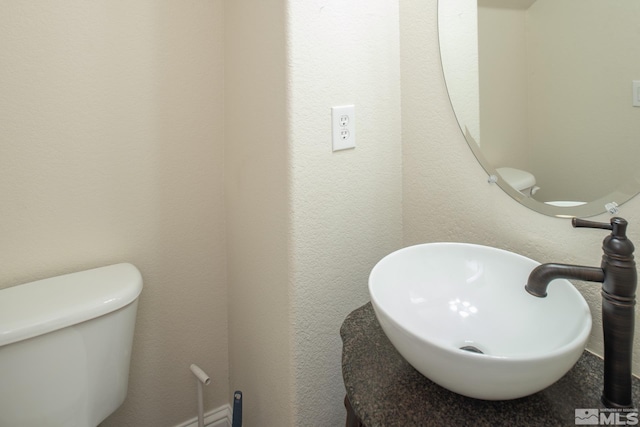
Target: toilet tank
65,347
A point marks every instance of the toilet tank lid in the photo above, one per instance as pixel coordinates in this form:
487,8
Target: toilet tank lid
517,178
43,306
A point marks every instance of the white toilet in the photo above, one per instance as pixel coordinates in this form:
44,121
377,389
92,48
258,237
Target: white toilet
65,347
522,181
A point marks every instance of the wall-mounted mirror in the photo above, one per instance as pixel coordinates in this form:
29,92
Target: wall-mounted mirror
544,93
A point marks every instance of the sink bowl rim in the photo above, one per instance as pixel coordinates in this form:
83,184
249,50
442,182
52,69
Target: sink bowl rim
579,339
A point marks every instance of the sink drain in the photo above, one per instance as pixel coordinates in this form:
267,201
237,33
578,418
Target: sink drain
472,349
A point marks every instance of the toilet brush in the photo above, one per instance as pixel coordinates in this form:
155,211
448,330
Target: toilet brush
237,409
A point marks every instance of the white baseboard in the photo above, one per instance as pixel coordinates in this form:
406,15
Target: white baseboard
219,417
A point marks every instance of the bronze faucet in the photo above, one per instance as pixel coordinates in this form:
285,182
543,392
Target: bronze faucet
618,276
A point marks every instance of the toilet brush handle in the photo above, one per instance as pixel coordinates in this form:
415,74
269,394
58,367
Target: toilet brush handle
237,409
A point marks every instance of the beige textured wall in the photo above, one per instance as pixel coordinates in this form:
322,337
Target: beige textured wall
346,205
445,190
305,224
503,88
110,151
580,109
258,210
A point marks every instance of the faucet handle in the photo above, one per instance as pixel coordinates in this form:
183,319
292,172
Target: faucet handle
578,222
618,226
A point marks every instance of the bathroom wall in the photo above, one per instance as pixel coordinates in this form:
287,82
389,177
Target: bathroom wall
258,209
503,88
446,196
111,150
305,224
114,148
580,107
346,206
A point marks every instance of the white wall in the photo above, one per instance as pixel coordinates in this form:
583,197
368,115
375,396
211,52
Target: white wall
305,224
446,195
195,143
346,206
258,211
111,151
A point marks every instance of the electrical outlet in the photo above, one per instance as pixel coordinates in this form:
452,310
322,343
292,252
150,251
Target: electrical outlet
343,127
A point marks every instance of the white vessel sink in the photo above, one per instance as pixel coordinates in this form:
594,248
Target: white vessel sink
433,300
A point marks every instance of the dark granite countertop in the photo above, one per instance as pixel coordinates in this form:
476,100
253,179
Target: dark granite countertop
384,390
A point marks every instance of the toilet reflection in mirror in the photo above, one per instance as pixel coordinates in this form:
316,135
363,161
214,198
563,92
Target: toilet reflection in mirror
525,183
544,87
521,181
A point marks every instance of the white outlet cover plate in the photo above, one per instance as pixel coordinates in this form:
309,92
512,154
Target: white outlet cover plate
343,127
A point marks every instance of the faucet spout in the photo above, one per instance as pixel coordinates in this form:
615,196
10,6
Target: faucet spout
542,275
619,282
